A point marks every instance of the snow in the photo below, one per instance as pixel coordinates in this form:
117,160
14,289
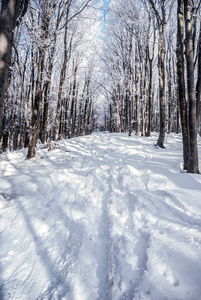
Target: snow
100,217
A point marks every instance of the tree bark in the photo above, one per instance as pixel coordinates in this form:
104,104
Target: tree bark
181,82
86,107
36,107
193,150
169,72
73,101
150,91
161,69
198,86
161,21
11,12
61,83
150,98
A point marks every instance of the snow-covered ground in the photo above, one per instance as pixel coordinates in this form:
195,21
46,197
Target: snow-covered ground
103,217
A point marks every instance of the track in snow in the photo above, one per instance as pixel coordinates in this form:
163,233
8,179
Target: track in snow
89,221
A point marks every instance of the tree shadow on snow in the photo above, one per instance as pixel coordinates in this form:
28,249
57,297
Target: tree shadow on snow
57,272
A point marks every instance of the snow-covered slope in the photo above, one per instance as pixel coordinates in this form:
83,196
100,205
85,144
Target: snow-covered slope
103,217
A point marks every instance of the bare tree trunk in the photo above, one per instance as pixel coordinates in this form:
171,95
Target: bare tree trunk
178,125
85,108
6,40
82,107
144,95
150,89
61,82
128,108
22,119
89,116
181,82
161,21
150,98
36,107
161,67
3,134
11,124
11,10
138,101
45,113
198,86
73,100
169,72
67,101
193,150
129,77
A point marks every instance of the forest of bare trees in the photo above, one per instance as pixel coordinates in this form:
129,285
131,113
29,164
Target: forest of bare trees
152,58
69,67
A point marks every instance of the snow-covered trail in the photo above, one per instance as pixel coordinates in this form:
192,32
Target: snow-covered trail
103,217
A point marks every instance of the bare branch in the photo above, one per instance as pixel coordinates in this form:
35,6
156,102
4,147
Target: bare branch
159,20
76,14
